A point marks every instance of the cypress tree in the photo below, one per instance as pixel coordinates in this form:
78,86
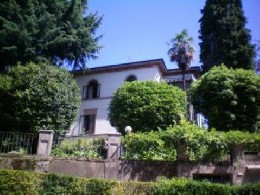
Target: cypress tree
56,31
224,38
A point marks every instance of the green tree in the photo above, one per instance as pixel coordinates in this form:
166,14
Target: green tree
37,95
257,59
182,52
229,98
54,31
224,38
147,105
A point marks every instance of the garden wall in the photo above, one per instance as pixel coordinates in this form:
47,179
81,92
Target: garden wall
134,170
120,170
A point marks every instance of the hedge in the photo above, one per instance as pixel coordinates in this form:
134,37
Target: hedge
201,144
24,182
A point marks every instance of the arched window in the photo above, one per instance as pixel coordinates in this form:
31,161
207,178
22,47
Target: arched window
91,90
131,78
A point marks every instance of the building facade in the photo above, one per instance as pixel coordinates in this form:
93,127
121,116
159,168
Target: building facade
98,85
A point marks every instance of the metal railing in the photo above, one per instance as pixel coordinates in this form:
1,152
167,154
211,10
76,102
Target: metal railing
17,142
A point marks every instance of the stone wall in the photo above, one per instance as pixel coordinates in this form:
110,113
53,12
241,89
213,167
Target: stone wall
133,170
116,169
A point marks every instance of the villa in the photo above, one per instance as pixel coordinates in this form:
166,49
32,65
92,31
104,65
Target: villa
98,85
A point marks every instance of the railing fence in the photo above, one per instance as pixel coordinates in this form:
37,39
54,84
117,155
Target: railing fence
17,142
79,146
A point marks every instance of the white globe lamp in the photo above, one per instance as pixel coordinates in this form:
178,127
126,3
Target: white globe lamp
128,129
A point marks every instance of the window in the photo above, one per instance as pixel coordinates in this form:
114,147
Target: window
131,78
88,121
92,90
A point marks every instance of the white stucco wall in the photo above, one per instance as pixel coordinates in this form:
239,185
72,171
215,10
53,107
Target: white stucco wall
109,83
112,80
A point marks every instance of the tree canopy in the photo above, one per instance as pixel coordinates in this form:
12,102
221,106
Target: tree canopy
57,31
182,52
35,96
146,106
224,38
229,98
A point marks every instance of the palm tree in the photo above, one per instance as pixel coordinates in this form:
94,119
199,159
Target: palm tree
182,52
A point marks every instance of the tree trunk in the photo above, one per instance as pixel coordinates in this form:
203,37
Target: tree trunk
184,80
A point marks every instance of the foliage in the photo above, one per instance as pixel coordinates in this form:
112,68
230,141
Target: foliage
142,188
81,147
38,95
18,182
195,139
188,186
147,146
199,144
18,143
61,184
56,31
181,50
146,105
22,182
228,98
224,38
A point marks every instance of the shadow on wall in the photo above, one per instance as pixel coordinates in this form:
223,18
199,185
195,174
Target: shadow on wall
252,174
146,170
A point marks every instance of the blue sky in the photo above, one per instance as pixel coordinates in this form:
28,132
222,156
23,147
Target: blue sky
136,30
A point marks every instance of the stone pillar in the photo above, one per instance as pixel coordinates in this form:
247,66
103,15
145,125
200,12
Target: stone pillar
45,143
113,146
182,159
237,155
181,152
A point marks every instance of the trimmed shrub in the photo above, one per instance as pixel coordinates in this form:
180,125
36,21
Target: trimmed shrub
187,186
228,98
37,96
63,184
24,183
146,106
18,182
144,188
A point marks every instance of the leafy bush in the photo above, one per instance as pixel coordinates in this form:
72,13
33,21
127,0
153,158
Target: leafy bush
23,183
18,182
199,144
147,146
81,147
228,98
191,136
63,184
188,186
143,188
146,106
38,95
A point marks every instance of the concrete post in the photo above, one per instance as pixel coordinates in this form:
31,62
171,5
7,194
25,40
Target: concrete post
237,155
181,152
45,143
182,158
113,146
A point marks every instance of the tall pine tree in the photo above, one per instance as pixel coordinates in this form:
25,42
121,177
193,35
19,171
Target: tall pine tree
224,38
57,31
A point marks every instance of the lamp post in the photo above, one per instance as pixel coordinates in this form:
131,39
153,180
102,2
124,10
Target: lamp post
128,129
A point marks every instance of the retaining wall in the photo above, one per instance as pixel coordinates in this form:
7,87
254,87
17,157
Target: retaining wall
134,170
